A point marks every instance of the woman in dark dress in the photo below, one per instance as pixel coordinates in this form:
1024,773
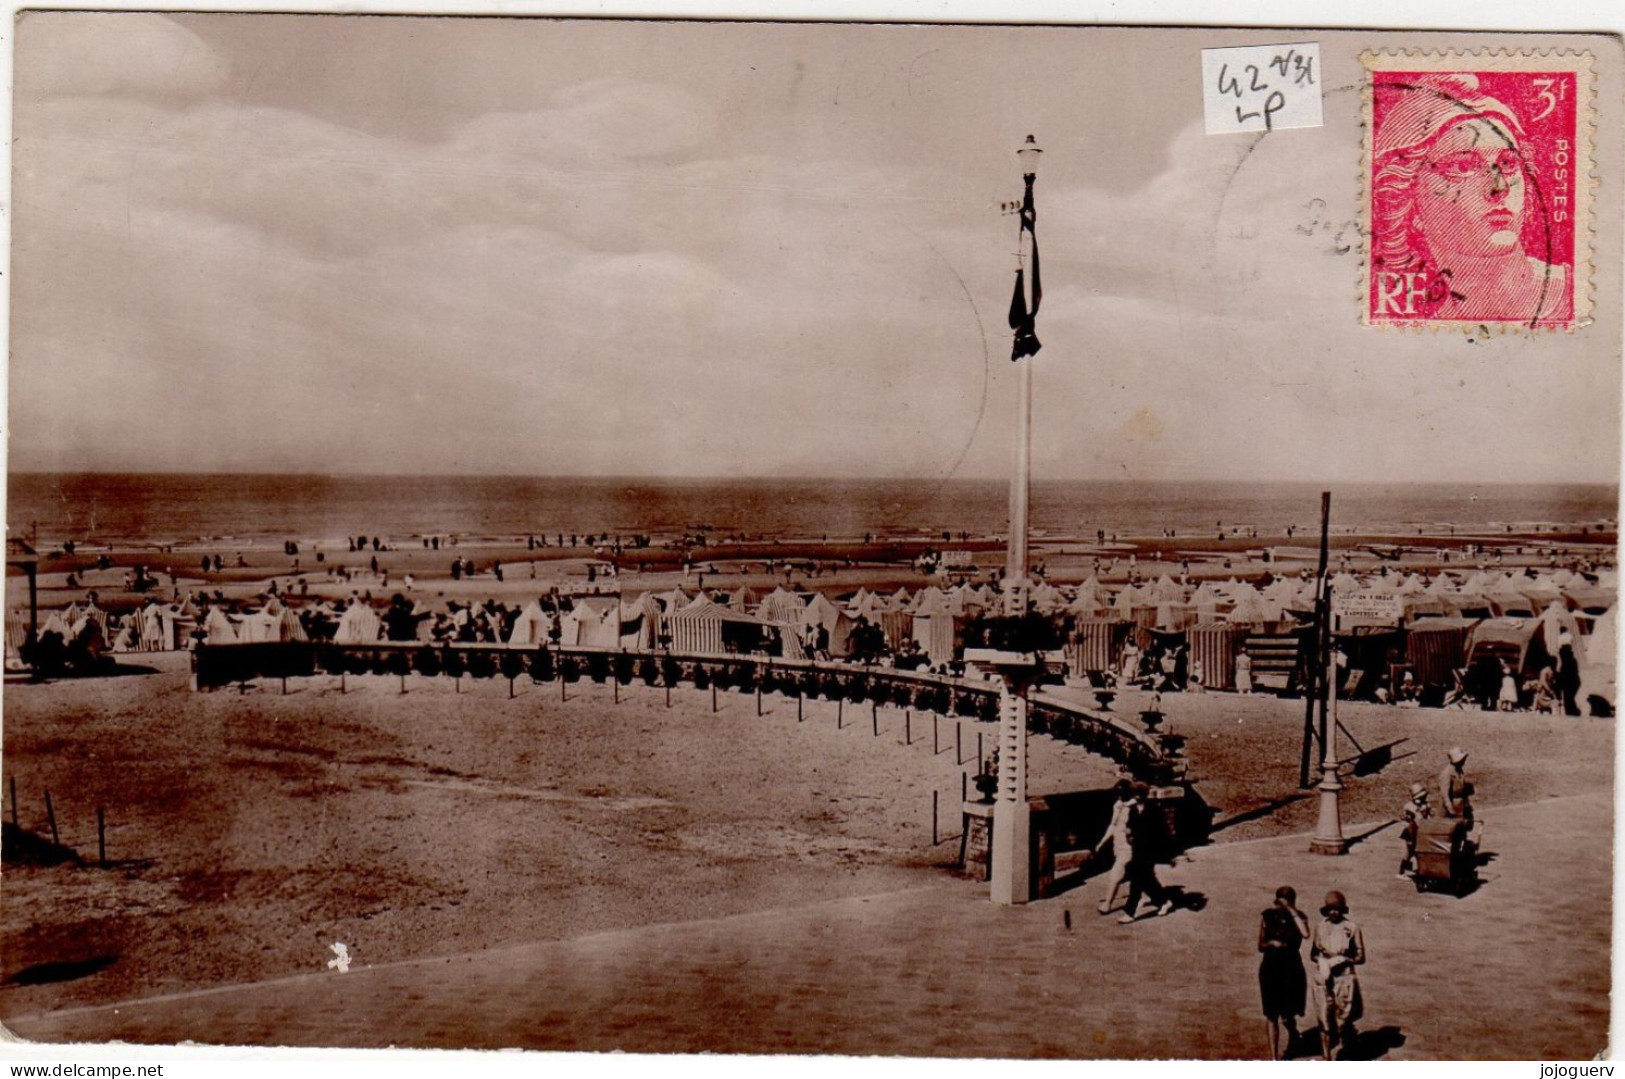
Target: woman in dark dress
1281,982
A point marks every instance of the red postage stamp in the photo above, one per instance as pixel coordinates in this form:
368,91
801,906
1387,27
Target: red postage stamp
1478,178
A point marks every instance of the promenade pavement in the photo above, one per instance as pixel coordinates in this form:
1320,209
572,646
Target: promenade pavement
1517,969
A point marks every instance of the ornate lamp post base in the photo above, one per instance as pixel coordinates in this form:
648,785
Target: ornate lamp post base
1328,837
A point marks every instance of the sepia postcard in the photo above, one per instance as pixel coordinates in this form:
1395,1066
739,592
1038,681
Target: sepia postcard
865,539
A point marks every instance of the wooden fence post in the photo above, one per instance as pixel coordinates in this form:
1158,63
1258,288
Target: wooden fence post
50,814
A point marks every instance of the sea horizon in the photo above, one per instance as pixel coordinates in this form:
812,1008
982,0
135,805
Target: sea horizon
167,507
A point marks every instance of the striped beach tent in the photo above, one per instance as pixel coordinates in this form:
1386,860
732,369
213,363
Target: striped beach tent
782,606
704,628
1216,645
1436,647
360,624
1096,644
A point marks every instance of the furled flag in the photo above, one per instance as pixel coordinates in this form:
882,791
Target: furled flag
1024,313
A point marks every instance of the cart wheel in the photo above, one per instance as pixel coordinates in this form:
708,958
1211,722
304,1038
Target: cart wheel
1421,885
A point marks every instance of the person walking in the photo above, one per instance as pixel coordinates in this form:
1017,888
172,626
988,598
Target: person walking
1142,862
1455,789
1336,948
1282,929
1117,838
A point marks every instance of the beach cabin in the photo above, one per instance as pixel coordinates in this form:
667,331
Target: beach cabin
359,624
1096,644
533,627
1436,648
704,628
829,624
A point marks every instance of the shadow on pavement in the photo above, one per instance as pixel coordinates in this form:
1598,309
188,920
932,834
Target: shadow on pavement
1259,812
63,971
1374,1044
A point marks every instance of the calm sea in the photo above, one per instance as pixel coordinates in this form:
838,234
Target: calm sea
179,508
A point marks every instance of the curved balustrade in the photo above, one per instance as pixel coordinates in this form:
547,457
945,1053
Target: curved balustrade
1143,755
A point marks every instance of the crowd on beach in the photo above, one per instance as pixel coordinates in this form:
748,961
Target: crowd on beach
1524,638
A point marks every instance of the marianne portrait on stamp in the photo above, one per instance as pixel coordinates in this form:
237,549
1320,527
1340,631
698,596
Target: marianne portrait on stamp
1452,191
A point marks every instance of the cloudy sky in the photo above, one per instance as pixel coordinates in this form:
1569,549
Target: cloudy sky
281,243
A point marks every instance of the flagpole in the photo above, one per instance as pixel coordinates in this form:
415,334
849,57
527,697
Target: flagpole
1011,869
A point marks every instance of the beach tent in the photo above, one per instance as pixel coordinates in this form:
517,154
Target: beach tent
782,606
1252,609
1216,645
1556,620
1517,641
1597,670
859,598
1412,585
1588,598
1047,599
57,622
704,628
359,624
939,624
897,625
533,627
640,622
1437,647
1539,589
742,599
1096,644
1175,616
594,622
1415,605
826,619
900,600
674,600
218,628
1165,590
268,624
1091,599
1470,605
1509,602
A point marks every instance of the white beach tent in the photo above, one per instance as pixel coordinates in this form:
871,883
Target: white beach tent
594,622
218,628
1091,599
533,627
640,621
1598,673
270,624
831,620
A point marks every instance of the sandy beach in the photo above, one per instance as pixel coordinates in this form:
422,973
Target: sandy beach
248,832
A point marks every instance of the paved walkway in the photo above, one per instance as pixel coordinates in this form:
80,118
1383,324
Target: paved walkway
1518,969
